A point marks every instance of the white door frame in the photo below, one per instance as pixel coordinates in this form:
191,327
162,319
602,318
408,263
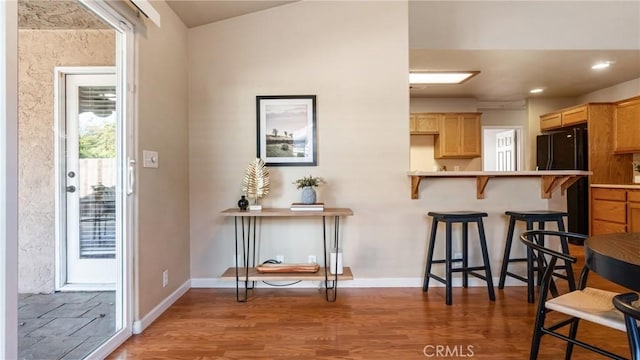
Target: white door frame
8,180
519,146
60,151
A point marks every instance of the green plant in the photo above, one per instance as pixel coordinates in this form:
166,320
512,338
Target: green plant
308,181
636,167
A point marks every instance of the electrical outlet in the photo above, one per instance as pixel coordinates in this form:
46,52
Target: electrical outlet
312,259
458,264
280,258
165,278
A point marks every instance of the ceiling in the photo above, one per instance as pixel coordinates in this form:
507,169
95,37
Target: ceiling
505,78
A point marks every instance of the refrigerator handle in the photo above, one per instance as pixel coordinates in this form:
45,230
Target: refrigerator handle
550,157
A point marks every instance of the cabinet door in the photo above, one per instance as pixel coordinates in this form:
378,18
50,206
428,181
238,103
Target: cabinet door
470,138
427,123
447,144
412,123
550,121
575,116
627,126
633,211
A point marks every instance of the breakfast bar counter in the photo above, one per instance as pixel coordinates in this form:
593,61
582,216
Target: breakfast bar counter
549,179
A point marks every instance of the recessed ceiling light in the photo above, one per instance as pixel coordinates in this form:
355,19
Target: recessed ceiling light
601,65
536,90
441,77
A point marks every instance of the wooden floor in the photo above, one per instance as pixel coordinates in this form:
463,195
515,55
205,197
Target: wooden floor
371,323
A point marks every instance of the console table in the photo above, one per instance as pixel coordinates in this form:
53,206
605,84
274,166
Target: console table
245,234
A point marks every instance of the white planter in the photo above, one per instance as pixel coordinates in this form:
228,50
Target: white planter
636,179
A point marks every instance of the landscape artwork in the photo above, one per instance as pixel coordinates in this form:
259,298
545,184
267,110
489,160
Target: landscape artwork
286,130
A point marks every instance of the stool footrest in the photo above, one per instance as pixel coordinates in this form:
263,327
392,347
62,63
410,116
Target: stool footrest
444,261
517,260
436,277
468,269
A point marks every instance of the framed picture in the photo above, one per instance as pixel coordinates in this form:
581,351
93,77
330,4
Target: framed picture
287,130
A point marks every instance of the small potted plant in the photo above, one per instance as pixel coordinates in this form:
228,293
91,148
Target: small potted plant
636,172
307,185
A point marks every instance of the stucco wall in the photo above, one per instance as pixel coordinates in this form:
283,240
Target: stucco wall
39,51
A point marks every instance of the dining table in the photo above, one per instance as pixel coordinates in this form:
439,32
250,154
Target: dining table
615,257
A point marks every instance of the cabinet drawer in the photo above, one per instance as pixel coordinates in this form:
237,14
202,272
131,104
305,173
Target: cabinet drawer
613,211
604,227
608,194
574,116
633,195
550,121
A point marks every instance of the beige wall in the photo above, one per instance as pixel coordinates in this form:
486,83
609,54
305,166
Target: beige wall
353,56
163,193
39,52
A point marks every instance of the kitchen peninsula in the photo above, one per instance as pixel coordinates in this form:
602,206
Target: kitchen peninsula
549,179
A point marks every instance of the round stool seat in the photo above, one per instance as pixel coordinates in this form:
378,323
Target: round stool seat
536,215
441,215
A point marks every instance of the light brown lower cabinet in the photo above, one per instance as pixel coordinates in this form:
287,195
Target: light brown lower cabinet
614,210
633,211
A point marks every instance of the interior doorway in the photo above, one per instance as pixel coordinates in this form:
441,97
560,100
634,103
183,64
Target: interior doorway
502,148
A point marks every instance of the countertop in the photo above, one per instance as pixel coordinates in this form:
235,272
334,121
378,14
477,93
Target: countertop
617,186
550,179
498,173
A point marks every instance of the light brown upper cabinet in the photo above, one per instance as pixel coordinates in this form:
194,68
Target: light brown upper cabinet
627,126
423,123
551,121
567,117
459,136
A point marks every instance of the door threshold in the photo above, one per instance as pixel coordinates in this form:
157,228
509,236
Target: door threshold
89,287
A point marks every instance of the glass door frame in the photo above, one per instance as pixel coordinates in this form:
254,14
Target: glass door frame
8,180
126,145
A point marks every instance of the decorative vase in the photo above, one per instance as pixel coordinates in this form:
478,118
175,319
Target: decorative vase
243,203
308,195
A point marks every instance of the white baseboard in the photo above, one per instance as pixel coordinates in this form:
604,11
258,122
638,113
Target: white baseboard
355,283
140,325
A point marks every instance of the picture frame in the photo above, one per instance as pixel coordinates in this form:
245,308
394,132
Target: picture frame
287,133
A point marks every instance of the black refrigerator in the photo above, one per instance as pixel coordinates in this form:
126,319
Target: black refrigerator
567,149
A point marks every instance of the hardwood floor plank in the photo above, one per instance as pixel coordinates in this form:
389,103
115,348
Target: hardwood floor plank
371,323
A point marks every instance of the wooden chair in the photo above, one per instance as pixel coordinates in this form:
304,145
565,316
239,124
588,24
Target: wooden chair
624,303
584,303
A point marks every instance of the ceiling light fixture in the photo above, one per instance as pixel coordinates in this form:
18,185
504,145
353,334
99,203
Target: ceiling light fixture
601,65
441,77
536,90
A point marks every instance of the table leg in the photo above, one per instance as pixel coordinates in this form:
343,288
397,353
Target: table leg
246,252
334,285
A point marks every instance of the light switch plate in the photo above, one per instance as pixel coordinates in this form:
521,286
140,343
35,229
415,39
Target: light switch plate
150,159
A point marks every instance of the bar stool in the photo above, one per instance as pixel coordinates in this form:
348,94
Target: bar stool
530,217
463,217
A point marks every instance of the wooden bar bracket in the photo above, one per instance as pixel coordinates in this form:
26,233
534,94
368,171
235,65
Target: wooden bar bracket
415,186
481,184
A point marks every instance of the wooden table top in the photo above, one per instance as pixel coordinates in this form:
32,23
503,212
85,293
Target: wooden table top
286,212
615,257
